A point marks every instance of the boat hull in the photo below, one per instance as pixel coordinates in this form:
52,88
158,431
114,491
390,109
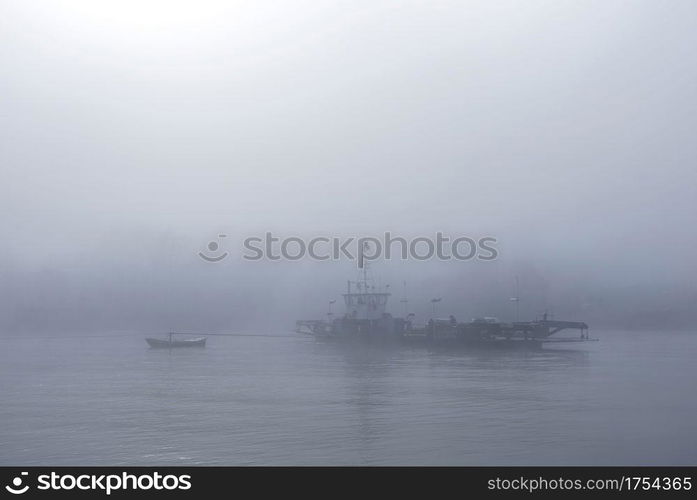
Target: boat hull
167,344
444,332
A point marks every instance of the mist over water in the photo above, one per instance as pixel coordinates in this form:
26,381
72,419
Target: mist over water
135,133
291,400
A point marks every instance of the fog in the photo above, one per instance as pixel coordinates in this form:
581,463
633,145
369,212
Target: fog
133,133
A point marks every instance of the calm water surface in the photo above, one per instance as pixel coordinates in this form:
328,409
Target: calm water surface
628,399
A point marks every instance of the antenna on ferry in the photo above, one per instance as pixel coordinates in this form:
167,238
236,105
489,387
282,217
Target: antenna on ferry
516,299
364,264
434,302
404,300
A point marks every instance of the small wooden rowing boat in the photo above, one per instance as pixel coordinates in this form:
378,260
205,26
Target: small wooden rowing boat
170,343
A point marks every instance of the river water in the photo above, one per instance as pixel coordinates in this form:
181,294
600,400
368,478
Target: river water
286,399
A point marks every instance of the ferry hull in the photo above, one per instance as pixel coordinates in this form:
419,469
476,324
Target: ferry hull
445,334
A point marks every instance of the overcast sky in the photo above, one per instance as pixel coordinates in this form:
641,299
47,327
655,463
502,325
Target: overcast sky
564,128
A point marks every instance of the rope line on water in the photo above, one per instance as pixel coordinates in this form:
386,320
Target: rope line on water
134,334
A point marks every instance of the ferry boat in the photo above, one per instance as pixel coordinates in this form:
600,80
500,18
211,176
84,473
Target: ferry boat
366,318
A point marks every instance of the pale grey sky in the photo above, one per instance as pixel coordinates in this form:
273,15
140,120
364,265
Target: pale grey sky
564,128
